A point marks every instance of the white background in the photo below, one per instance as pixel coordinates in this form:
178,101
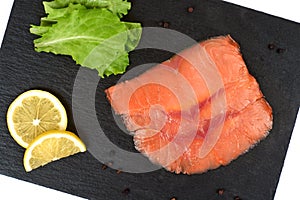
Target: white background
288,186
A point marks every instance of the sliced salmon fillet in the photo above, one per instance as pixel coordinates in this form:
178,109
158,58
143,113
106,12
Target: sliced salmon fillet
197,111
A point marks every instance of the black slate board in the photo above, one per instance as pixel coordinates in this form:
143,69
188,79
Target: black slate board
252,176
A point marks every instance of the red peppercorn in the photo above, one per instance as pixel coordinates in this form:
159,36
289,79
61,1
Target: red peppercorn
126,191
104,167
220,191
190,9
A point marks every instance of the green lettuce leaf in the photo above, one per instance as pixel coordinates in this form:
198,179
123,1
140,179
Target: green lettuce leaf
118,7
134,33
94,38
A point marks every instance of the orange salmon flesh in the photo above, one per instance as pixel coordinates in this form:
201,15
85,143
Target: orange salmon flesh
196,111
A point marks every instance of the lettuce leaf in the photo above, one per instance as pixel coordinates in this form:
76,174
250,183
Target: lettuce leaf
95,38
118,7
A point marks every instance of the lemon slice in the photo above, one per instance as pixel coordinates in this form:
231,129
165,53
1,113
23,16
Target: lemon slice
33,113
50,146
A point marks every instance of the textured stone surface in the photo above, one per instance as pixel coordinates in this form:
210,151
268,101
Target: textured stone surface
252,176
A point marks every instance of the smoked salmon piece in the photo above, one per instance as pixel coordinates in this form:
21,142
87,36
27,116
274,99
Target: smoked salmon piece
196,111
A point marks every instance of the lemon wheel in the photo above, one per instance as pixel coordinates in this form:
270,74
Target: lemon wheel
33,113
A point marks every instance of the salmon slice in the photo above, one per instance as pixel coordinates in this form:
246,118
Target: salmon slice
197,111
